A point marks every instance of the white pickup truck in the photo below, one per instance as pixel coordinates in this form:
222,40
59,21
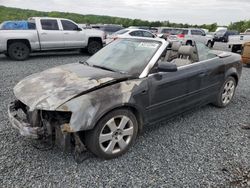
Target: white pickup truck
235,42
46,34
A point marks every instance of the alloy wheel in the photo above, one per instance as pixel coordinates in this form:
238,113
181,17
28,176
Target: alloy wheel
116,134
228,92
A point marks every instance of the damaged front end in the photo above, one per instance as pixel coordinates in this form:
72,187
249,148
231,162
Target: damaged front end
42,124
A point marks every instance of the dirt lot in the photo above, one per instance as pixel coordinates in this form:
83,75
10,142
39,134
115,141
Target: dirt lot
206,147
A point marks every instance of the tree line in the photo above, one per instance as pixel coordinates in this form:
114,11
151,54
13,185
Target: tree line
7,13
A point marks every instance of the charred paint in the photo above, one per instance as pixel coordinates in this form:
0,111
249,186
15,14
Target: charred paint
51,88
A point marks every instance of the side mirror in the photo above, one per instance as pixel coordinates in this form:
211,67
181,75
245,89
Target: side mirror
203,34
167,67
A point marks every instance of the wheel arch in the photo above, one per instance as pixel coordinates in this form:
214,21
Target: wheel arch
233,73
25,41
98,39
189,42
136,111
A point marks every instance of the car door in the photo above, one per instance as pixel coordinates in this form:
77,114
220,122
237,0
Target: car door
215,69
51,37
72,35
175,92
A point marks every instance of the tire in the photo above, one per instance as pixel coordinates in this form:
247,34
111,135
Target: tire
116,141
94,46
18,51
6,54
210,44
226,93
189,43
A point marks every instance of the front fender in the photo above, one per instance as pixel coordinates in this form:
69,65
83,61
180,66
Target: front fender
88,108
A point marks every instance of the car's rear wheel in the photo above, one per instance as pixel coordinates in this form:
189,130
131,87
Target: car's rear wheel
94,46
189,43
209,44
18,51
113,135
226,93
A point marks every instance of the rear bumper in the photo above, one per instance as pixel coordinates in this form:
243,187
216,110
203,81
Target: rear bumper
21,123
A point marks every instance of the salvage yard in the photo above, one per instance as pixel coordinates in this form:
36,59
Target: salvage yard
206,147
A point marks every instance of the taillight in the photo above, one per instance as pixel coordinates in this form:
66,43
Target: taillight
180,35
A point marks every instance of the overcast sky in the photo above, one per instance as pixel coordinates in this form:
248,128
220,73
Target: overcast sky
179,11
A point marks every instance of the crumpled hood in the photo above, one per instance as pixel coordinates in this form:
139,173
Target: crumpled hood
51,88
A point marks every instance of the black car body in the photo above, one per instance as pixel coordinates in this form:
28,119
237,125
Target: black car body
222,36
80,99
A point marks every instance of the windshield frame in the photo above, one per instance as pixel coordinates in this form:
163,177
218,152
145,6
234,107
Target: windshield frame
152,59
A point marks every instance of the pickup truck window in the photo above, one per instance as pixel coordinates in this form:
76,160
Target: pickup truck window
68,25
48,24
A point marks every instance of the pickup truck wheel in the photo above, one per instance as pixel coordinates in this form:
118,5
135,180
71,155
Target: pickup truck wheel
226,93
18,51
93,47
113,135
6,54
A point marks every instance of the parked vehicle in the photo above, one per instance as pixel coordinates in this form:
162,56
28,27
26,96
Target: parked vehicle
235,42
222,36
104,102
221,29
191,35
151,29
246,54
247,32
109,29
48,34
165,32
129,33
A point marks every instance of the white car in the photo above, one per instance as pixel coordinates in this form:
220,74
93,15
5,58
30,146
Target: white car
128,32
190,35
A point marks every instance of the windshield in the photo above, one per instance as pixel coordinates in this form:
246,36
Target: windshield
125,55
221,32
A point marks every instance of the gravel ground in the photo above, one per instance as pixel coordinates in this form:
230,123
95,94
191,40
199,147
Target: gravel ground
206,147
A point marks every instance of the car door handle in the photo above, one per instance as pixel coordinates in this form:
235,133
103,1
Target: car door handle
43,33
66,33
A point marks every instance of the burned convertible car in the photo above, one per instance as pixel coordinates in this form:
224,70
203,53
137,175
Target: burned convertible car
104,102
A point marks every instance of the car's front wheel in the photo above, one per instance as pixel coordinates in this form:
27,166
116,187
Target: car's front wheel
226,92
113,135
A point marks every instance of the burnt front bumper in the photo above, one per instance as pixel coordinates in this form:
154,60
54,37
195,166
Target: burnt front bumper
21,123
